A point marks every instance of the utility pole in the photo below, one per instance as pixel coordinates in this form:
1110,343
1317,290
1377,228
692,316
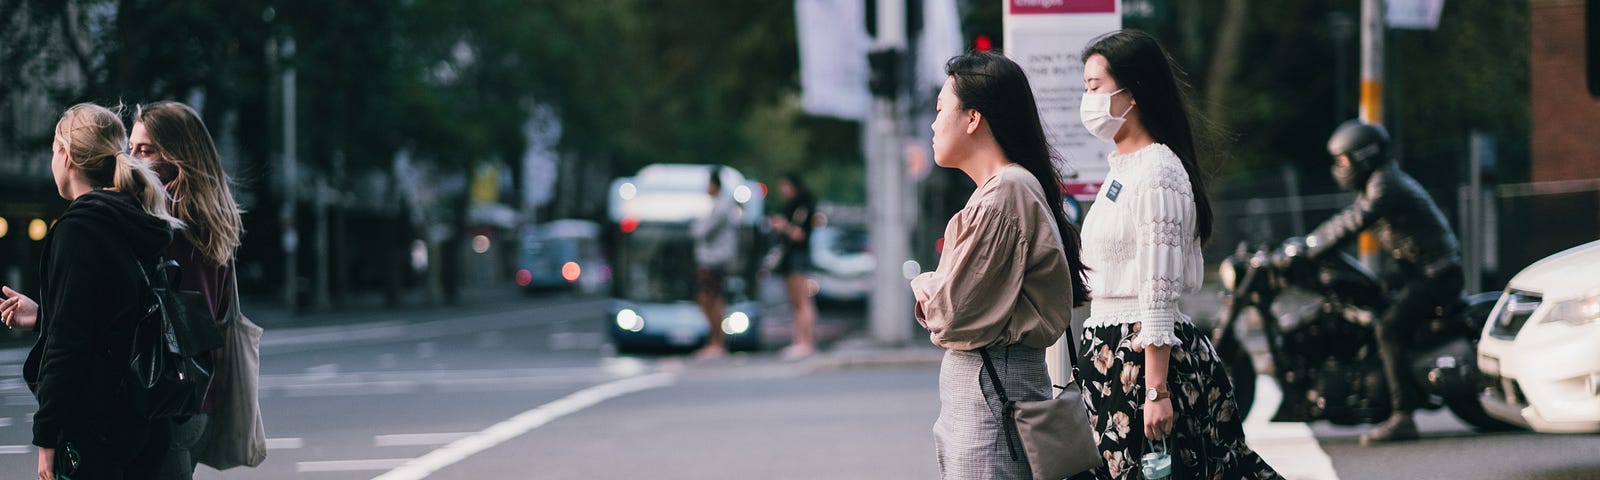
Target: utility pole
291,236
886,190
1372,31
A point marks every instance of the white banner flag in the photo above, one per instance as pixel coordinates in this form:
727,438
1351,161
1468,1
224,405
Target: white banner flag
833,58
941,39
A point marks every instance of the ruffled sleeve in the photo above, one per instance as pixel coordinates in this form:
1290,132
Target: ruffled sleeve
1163,215
968,300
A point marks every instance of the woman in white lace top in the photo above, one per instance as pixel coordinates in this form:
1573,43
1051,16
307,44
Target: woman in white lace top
1149,375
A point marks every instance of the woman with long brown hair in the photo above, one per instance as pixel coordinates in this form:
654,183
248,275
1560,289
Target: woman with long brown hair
173,141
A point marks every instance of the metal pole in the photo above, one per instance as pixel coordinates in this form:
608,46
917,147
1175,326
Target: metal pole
886,197
291,177
1372,30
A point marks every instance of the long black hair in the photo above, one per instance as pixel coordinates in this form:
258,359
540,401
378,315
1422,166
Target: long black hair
1139,64
997,88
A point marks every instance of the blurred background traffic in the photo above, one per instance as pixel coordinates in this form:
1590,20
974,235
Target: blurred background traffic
497,193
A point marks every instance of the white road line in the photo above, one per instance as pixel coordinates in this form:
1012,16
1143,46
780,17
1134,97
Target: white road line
524,422
6,422
285,443
16,449
1290,448
350,465
416,439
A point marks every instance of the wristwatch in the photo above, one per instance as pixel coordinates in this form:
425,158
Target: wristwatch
1154,394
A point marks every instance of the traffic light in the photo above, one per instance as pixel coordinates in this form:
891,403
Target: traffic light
885,64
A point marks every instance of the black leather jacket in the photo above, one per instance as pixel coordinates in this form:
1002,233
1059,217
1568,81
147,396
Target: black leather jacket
1409,227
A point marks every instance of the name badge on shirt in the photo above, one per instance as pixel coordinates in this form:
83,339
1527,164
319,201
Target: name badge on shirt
1114,190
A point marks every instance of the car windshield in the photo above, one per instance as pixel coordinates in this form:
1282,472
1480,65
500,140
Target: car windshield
655,264
843,240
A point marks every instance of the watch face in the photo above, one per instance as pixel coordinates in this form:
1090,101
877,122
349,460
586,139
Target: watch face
1151,394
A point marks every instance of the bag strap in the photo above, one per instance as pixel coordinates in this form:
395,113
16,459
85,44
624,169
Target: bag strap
1008,425
231,315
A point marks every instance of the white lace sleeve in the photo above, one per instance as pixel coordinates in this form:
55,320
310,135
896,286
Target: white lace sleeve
1164,222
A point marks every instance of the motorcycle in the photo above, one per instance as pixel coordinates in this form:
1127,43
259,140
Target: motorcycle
1325,356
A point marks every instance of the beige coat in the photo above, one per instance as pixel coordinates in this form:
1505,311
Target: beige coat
1002,277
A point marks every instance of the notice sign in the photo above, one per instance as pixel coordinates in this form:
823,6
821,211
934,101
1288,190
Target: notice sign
1033,7
1046,38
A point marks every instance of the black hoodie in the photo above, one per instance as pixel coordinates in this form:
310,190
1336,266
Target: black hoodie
89,301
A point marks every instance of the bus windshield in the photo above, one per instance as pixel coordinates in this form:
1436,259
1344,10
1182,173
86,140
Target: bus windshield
655,265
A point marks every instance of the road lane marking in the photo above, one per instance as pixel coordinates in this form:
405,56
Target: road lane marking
350,465
6,422
418,439
16,449
1289,447
524,422
285,443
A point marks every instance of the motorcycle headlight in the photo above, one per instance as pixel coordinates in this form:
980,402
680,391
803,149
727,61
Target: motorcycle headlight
1228,274
1576,312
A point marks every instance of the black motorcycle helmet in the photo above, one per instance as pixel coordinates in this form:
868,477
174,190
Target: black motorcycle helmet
1366,144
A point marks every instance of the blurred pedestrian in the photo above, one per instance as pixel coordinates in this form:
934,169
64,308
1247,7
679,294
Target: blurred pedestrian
794,263
90,282
1151,375
1009,273
172,140
715,247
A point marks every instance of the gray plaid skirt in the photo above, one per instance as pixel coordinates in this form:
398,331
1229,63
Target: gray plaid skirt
967,436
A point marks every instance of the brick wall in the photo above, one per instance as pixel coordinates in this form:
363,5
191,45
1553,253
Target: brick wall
1566,118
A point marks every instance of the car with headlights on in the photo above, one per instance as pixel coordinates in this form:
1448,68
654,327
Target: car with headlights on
1540,349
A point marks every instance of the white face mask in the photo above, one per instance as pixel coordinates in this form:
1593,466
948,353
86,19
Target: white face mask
1095,111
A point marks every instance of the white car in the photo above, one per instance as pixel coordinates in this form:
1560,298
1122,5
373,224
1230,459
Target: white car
1540,351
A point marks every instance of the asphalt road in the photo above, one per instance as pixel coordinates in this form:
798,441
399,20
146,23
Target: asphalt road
534,391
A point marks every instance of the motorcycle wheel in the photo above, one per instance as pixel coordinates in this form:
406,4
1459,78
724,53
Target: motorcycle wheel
1471,412
1242,373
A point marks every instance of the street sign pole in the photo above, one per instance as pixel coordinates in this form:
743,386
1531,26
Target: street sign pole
887,195
1372,25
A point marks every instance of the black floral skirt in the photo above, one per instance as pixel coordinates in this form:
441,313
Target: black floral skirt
1207,441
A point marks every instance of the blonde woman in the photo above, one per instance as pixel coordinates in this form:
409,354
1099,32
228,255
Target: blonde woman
91,278
172,140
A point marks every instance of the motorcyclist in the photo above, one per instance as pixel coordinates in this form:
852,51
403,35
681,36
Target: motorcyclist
1414,233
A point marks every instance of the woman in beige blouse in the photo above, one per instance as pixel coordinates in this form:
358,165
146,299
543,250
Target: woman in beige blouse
1009,274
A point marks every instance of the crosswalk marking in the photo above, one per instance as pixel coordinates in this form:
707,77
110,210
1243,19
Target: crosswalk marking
524,422
350,465
1290,448
417,439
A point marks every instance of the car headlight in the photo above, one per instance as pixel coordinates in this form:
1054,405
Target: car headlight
1228,274
630,320
1576,312
736,324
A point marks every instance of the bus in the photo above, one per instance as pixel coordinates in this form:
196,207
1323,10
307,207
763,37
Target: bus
652,301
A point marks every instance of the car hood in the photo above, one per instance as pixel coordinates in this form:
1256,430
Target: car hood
1568,274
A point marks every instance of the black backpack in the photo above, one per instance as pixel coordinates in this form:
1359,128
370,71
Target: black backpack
170,364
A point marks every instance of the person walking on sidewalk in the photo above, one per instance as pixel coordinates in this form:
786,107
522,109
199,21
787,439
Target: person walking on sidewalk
1009,273
91,280
171,139
794,263
1150,375
715,246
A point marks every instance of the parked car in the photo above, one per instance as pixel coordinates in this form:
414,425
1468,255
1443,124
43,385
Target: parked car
1540,350
843,265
